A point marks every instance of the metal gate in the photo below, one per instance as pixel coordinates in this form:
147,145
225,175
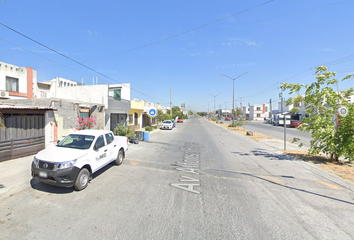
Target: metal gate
22,136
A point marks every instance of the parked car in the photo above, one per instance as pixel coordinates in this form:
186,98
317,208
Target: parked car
174,123
180,120
227,119
73,160
295,123
167,124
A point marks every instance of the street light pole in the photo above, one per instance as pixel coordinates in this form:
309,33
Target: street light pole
208,107
214,100
233,94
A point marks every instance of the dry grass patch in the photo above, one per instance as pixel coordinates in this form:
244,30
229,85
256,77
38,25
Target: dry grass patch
342,169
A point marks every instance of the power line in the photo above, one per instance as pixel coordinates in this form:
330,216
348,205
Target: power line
71,59
183,33
41,56
146,45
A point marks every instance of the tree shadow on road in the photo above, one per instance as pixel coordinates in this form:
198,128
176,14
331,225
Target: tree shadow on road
265,153
285,186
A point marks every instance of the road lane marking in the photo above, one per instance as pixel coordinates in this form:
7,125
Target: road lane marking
327,184
190,164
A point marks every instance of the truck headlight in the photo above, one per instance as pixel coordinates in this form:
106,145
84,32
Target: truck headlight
64,165
35,161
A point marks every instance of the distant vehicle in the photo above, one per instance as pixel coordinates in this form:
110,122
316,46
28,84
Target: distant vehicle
180,120
278,120
227,119
73,160
167,124
295,123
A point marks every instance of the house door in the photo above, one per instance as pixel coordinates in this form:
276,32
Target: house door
136,118
118,119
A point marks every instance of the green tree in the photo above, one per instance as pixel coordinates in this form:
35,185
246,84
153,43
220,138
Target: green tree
159,115
176,112
166,116
331,134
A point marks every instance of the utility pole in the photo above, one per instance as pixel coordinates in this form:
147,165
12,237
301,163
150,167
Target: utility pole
270,108
233,92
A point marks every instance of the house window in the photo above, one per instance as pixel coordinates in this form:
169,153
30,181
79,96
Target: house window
258,115
130,118
258,108
117,94
297,104
12,84
84,112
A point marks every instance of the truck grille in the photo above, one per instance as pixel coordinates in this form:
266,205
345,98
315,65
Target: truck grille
46,165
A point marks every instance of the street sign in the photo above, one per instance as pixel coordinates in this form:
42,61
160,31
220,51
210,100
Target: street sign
152,112
342,111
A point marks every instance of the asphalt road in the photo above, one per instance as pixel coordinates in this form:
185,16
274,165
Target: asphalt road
197,181
278,132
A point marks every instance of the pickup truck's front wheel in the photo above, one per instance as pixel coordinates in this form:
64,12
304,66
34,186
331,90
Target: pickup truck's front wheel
82,179
120,158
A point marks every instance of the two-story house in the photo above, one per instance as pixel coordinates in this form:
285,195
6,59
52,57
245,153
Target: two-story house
16,82
259,112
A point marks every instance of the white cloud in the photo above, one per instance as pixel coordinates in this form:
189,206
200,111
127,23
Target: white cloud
239,42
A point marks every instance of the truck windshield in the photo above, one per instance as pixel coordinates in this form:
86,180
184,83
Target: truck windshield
77,141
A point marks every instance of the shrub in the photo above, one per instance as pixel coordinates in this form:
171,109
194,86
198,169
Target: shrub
120,130
221,122
237,124
86,123
148,128
213,119
130,133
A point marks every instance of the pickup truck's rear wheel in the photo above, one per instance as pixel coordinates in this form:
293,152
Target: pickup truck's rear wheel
82,179
120,158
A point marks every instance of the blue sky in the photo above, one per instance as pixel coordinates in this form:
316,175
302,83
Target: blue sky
185,44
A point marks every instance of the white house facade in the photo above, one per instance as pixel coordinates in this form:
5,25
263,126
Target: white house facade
16,82
259,112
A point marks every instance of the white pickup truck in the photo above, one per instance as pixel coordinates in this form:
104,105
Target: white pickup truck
73,160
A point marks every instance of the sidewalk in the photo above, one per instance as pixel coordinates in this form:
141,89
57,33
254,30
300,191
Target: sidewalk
15,173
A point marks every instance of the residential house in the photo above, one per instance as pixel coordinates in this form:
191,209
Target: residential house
16,82
282,108
114,99
246,112
135,115
147,120
259,112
